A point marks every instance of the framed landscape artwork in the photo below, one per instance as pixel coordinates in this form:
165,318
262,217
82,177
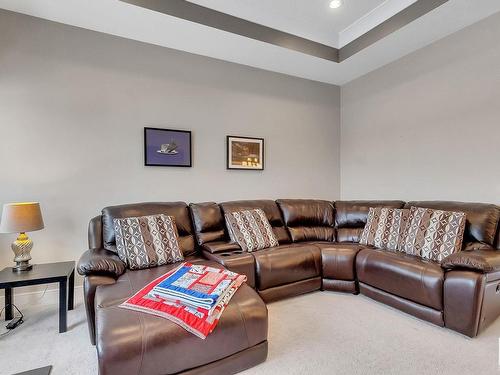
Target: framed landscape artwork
245,153
167,147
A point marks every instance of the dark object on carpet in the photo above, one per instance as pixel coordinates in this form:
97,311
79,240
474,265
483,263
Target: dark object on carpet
38,371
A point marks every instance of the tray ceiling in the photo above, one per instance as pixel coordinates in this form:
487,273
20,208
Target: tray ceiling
311,20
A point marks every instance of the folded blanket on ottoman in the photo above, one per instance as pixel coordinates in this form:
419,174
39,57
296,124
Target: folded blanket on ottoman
192,296
195,286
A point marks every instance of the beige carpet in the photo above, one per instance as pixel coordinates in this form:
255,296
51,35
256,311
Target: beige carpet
318,333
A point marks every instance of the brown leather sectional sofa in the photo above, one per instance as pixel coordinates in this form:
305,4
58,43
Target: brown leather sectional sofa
318,250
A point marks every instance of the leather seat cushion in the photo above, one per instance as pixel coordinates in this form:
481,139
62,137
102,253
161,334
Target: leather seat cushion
286,264
406,276
131,342
338,260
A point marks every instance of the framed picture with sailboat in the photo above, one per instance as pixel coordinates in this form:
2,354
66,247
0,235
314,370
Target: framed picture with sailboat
167,147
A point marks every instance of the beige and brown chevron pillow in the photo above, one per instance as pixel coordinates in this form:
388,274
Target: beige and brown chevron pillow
147,241
433,234
384,227
250,229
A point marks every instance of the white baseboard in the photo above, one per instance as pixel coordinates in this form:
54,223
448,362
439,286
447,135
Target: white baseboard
43,295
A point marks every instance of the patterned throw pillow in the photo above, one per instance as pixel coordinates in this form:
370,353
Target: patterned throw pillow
384,227
433,234
250,229
147,241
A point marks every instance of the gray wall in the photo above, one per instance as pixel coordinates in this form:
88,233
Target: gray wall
428,125
73,104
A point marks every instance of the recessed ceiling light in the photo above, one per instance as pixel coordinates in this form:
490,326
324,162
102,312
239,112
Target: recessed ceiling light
336,4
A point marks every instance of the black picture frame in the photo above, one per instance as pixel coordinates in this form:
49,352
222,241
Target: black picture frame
232,138
150,159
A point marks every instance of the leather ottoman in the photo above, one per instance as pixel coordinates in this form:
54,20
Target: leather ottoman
130,342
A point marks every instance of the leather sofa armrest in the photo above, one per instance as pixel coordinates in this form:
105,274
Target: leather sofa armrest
100,262
220,246
90,285
484,261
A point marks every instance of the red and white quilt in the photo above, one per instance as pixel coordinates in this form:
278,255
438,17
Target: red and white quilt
197,320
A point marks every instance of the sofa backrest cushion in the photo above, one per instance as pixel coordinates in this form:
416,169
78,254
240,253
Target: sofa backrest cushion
208,222
308,219
179,210
271,209
482,218
351,216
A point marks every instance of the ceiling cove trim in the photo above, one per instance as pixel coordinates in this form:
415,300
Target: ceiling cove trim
375,17
208,17
411,13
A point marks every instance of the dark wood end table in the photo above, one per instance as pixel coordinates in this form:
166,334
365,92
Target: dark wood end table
62,273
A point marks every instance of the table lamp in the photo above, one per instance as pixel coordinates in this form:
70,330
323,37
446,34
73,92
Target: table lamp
21,218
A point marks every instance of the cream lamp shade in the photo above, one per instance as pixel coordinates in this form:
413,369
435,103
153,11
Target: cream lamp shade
21,217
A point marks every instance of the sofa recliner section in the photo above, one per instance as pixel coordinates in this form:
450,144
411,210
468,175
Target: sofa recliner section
446,294
319,249
280,272
287,270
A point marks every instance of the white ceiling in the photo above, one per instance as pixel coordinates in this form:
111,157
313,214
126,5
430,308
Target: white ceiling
307,18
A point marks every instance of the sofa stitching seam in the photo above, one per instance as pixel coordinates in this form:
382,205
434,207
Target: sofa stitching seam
312,254
244,323
422,283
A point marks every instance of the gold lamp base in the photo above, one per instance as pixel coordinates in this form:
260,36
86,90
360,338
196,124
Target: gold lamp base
22,250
